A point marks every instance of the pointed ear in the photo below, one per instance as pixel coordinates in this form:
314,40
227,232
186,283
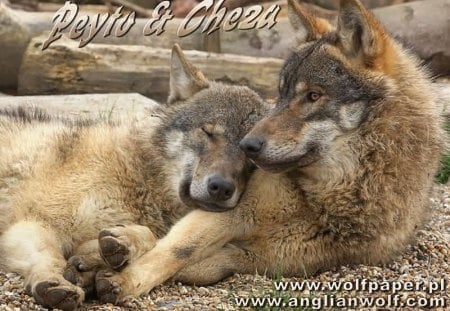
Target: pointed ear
185,79
360,34
308,26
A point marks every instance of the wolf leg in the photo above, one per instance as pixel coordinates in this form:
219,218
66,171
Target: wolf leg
115,247
120,245
36,252
84,264
195,237
228,261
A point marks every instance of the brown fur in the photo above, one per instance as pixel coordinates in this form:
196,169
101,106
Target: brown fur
360,174
354,146
66,187
354,141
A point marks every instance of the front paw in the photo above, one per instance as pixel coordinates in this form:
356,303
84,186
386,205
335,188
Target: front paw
114,248
57,295
109,287
79,272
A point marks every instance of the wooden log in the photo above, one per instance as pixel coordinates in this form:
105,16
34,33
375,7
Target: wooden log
410,22
84,106
66,69
38,23
422,25
131,7
53,7
14,38
29,5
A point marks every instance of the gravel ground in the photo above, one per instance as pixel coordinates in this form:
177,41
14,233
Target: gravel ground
427,260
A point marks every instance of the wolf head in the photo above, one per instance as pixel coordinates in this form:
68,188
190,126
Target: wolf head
327,88
201,134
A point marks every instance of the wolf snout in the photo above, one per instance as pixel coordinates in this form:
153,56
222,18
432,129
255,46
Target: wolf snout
220,189
252,146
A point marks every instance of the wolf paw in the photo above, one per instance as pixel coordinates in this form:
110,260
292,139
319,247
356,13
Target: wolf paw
52,294
79,272
108,287
114,248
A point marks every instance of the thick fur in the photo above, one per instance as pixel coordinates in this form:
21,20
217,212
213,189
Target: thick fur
350,152
65,187
357,128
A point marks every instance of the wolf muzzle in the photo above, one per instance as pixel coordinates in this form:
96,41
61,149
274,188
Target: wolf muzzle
220,189
252,146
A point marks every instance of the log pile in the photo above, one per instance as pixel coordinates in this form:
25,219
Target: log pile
140,63
421,25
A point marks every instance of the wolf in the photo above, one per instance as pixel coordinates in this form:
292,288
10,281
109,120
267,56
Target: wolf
345,161
76,197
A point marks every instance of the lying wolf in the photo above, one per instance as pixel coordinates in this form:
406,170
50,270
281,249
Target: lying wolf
354,141
65,183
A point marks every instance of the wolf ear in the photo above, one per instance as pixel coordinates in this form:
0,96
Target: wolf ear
360,34
185,79
308,26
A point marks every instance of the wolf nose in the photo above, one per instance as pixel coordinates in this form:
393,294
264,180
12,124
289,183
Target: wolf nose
219,189
252,146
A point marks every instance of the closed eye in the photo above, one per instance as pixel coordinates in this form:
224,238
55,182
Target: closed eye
209,133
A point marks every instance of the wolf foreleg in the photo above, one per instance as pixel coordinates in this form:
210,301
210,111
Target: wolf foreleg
121,245
195,237
228,261
115,247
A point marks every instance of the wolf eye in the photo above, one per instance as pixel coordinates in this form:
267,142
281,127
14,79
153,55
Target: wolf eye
313,96
207,132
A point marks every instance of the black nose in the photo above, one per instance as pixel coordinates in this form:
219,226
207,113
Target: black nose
252,146
219,189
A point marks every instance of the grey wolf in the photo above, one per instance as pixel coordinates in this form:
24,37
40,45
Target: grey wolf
347,160
76,197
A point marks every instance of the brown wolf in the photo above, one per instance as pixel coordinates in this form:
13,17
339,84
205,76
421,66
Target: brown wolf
63,183
354,141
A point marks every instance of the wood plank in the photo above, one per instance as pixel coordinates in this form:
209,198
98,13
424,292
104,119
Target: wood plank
66,69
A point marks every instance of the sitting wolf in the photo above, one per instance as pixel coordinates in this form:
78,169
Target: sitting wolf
354,140
65,183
